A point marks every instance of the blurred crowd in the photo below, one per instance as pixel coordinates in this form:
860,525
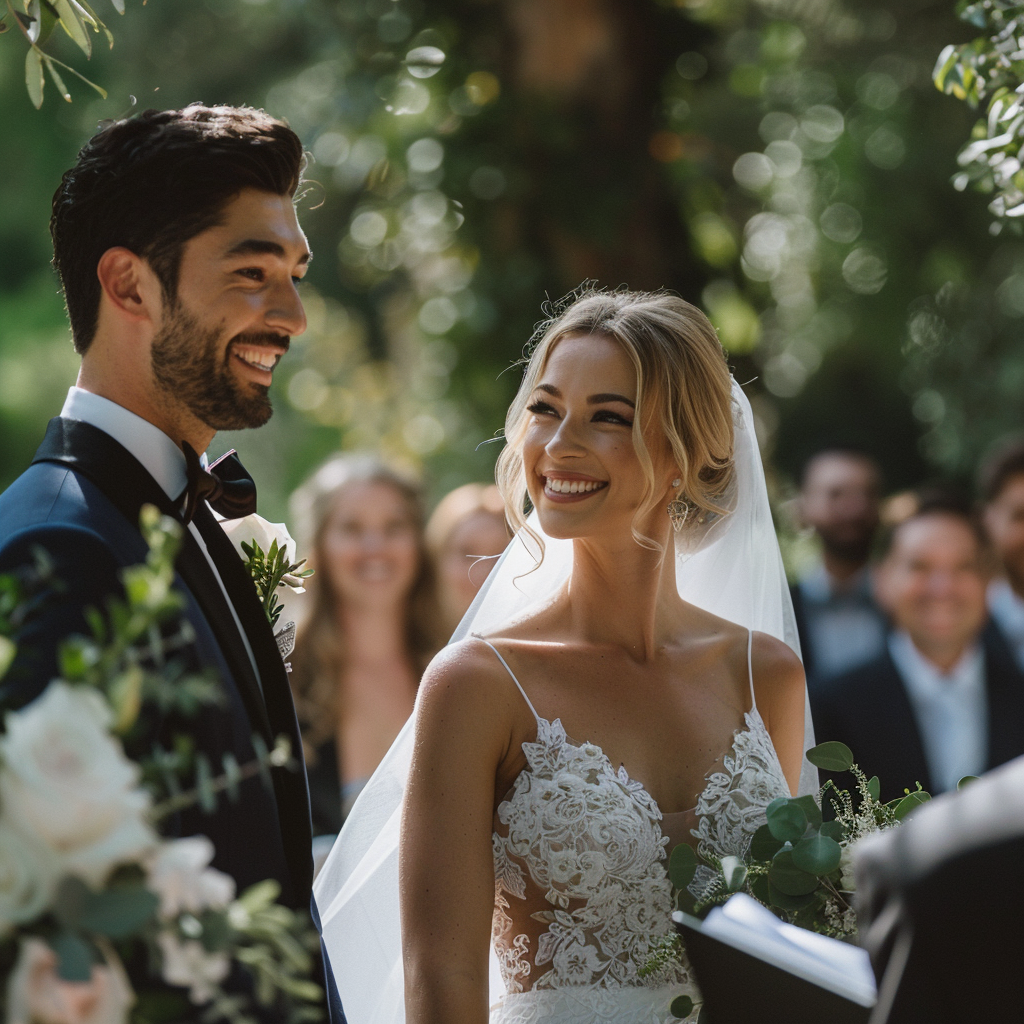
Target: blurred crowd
911,617
912,620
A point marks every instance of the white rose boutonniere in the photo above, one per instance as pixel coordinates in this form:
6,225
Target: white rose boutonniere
269,552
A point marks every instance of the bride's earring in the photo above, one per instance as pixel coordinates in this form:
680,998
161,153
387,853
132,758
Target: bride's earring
679,509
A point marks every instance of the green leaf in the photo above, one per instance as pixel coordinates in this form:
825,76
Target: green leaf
782,900
831,756
71,900
833,830
682,865
735,873
119,912
818,855
34,76
874,787
75,956
962,784
763,845
72,23
786,819
790,879
682,1007
909,802
810,808
760,889
204,784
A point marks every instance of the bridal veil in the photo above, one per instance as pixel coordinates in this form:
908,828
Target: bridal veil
733,568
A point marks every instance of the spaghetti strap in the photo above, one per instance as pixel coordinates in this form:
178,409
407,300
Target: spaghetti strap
750,668
529,703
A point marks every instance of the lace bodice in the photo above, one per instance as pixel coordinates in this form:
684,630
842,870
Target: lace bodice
582,894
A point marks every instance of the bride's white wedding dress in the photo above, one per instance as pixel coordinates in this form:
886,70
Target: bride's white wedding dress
582,894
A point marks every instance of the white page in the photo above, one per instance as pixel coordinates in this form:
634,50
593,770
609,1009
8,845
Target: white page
829,963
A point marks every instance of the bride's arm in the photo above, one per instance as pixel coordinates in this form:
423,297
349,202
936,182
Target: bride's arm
779,689
446,862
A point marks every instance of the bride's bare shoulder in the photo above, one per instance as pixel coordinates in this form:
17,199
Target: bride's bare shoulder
466,679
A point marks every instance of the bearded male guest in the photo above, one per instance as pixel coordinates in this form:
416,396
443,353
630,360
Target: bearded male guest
945,699
179,253
840,624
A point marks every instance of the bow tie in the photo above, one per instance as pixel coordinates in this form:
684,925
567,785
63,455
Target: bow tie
226,486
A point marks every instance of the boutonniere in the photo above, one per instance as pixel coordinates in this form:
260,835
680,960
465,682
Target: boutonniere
268,551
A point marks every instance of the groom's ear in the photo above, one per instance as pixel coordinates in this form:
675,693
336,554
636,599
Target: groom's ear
129,285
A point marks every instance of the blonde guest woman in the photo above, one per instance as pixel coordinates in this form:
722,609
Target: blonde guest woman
637,689
370,627
465,535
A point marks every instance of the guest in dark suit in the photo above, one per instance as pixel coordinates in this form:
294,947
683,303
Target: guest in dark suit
939,906
178,249
840,624
945,698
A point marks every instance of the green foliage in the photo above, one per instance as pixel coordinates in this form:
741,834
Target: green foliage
271,570
37,20
990,67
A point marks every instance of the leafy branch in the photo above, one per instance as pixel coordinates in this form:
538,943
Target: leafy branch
990,67
37,21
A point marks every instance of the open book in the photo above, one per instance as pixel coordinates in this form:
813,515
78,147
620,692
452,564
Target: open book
744,958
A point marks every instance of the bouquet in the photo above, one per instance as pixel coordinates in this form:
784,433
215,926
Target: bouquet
799,864
87,884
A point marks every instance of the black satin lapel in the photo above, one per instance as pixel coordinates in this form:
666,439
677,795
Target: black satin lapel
291,787
123,479
109,465
197,575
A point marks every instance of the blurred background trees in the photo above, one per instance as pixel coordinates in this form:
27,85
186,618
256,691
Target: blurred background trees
787,164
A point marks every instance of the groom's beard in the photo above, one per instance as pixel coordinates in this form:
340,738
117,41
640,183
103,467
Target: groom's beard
190,364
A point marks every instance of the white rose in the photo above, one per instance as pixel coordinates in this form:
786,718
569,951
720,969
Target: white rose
179,874
67,782
29,872
35,992
256,528
189,965
848,879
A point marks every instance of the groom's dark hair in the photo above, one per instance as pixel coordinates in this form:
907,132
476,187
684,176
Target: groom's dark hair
152,182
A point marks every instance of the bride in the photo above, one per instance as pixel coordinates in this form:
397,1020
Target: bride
600,707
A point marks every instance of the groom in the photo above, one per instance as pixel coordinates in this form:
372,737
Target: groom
179,252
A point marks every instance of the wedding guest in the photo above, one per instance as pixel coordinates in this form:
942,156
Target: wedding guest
945,698
370,628
939,899
839,622
1002,491
465,535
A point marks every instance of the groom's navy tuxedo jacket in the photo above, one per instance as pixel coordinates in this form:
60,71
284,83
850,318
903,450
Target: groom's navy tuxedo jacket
80,501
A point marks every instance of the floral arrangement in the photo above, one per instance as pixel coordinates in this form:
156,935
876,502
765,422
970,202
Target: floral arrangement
799,864
89,891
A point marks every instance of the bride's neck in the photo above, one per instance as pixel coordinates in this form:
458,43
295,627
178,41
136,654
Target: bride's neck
624,596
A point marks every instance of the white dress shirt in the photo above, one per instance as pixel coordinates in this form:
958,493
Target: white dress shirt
1008,611
159,455
951,709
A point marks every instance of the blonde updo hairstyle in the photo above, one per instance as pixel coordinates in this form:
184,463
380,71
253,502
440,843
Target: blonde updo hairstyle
683,387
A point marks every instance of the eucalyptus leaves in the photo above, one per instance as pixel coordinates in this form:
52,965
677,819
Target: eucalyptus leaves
798,863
